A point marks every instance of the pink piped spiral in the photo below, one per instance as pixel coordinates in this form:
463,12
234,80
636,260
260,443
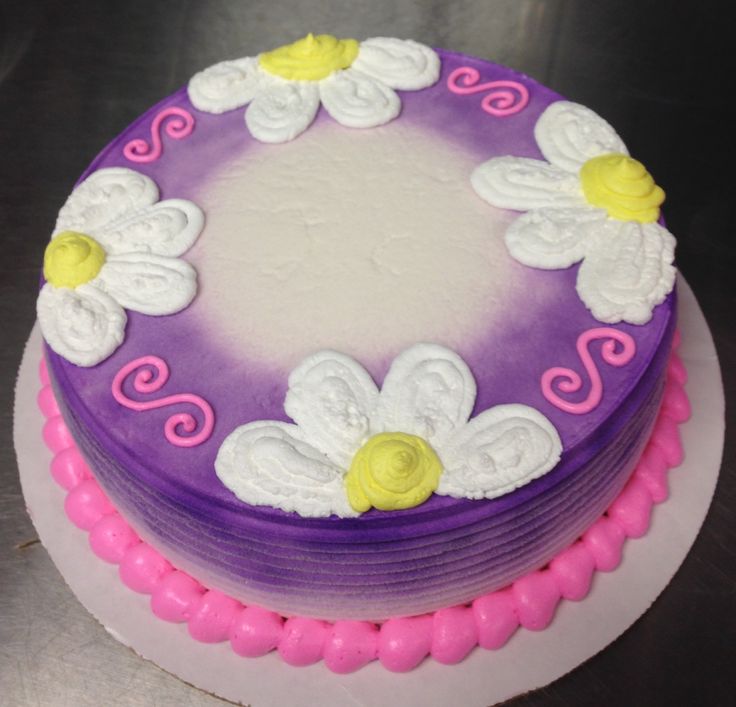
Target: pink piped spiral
400,644
504,97
151,377
570,380
180,125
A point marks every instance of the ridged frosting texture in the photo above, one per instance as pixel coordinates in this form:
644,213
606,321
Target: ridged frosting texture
400,644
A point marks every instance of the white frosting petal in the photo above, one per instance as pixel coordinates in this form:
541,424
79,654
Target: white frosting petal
429,391
356,100
552,238
398,63
496,452
105,196
168,228
568,134
628,270
149,284
282,110
332,399
524,184
225,86
269,464
83,325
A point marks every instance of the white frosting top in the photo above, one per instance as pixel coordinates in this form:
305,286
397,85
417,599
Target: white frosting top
412,250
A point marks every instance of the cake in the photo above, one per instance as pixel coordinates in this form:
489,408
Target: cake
350,342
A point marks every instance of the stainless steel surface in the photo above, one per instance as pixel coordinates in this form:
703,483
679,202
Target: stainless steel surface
72,75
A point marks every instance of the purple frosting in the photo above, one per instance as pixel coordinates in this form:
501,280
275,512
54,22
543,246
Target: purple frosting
443,552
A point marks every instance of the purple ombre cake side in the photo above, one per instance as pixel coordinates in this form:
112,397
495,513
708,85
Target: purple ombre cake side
236,343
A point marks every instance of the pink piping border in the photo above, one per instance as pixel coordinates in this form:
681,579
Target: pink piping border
399,644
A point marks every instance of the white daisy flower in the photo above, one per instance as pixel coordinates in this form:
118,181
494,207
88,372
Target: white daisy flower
283,88
589,201
354,447
114,246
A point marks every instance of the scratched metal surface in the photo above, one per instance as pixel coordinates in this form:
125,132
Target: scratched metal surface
72,75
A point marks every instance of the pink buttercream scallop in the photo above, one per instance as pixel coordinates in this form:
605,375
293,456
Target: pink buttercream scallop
255,631
676,369
142,568
350,645
111,536
69,468
666,436
404,643
212,615
47,402
632,510
536,596
454,634
495,618
303,640
604,539
573,571
56,434
86,503
43,371
176,596
676,403
652,470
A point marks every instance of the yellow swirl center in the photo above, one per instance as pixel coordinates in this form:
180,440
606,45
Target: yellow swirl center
622,186
71,259
311,58
392,471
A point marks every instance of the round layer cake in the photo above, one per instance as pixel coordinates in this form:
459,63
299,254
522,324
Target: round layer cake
405,208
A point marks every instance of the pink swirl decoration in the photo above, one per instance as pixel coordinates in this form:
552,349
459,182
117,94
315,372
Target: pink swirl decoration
151,377
571,381
180,125
505,97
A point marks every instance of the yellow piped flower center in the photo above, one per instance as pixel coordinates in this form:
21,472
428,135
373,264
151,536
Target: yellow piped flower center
311,58
622,186
392,471
71,259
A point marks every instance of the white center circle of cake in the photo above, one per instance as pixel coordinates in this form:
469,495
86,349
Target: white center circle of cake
368,240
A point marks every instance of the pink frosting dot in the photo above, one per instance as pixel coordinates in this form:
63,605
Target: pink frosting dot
350,645
676,369
573,570
142,568
56,435
303,640
255,631
632,510
212,615
454,634
43,371
111,537
404,643
652,470
86,503
69,468
536,596
175,597
495,618
666,436
604,539
47,402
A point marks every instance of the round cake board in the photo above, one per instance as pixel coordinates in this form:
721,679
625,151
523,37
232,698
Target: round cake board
529,660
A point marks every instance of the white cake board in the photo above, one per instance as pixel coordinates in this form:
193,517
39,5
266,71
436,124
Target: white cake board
529,661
